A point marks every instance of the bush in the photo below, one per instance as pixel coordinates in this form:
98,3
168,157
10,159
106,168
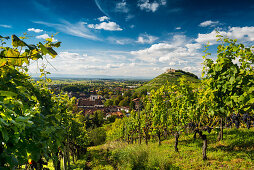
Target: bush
97,136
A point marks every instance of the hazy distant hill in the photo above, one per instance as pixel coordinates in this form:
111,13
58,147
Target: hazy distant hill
171,76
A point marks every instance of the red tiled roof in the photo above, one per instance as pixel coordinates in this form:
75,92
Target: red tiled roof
87,102
119,114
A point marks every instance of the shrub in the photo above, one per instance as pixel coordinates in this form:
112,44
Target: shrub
97,136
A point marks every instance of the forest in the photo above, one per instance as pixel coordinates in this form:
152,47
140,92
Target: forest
212,118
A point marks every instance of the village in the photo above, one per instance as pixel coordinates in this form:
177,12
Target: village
113,101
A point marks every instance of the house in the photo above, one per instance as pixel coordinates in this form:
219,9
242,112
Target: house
126,109
171,70
90,111
132,87
111,109
91,104
117,114
95,97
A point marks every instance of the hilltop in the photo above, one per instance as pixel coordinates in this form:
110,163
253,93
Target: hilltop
171,76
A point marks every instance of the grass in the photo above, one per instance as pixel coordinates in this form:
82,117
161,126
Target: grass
236,151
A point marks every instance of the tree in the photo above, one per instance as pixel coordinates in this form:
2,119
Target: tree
132,105
229,80
127,93
124,102
108,102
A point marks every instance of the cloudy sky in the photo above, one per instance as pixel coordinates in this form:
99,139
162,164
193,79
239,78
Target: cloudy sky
137,38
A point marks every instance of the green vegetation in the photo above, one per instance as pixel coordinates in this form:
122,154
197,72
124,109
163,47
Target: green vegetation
35,124
235,152
38,125
180,107
171,77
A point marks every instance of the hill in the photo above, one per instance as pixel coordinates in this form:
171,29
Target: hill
171,76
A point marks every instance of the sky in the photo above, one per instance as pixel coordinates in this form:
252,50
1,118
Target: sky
127,38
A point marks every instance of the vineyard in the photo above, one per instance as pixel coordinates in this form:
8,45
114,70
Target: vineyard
38,126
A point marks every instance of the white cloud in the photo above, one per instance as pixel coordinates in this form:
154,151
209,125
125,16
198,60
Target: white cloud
164,52
179,52
34,30
210,37
103,18
129,16
193,69
121,41
179,39
5,26
109,26
45,36
151,6
94,62
156,68
132,64
145,5
78,58
172,63
178,28
193,47
240,33
111,63
163,2
122,7
77,29
146,39
209,23
68,55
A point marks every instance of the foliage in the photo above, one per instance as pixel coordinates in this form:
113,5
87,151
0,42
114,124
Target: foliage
34,123
230,79
115,131
108,103
229,82
165,78
97,136
235,152
182,106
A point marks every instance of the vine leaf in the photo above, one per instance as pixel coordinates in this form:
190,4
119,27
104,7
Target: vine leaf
16,42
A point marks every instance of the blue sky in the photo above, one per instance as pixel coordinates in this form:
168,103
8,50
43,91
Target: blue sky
137,38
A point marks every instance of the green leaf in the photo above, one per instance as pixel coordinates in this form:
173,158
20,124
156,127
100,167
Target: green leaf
47,50
3,122
251,101
7,93
16,42
11,53
3,61
4,134
51,52
232,80
5,37
21,119
31,47
44,50
57,44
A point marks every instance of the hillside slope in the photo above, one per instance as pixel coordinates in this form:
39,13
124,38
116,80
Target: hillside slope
169,76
